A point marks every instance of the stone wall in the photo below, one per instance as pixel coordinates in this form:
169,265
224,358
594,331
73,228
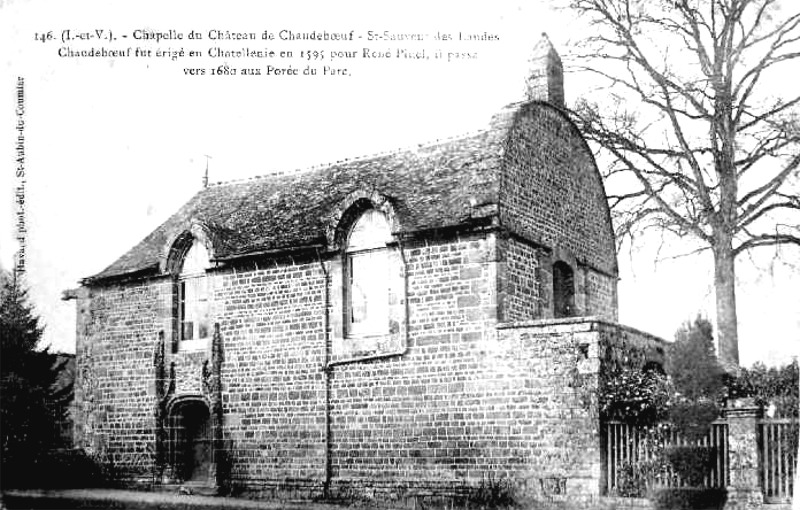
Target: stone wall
278,330
601,292
554,209
271,317
520,281
465,397
550,190
525,284
622,346
520,405
565,360
424,416
114,385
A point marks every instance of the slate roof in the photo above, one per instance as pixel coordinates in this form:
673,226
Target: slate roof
432,186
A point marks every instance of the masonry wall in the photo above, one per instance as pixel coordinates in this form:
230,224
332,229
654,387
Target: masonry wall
272,319
465,398
431,417
472,397
114,386
601,295
566,359
525,284
550,190
519,403
622,346
272,323
520,282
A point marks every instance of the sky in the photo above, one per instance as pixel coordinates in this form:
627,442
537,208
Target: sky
114,145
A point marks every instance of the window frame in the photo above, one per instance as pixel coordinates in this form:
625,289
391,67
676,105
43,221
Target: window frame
196,277
200,305
378,325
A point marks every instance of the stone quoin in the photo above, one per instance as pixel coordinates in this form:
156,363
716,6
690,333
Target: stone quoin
406,324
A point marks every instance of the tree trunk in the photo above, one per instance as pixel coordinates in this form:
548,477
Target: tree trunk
724,220
725,290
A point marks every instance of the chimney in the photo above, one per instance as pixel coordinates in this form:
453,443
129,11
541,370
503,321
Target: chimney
546,79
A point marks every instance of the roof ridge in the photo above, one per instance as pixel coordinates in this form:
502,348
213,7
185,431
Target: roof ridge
327,164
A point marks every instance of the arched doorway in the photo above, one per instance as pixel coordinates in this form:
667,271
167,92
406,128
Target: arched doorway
191,452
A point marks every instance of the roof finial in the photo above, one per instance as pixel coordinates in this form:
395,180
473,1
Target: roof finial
546,79
205,177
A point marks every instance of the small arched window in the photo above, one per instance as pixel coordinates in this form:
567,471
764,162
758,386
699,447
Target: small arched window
563,290
193,294
367,278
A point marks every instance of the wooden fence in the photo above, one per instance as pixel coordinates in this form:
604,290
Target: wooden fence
631,456
778,456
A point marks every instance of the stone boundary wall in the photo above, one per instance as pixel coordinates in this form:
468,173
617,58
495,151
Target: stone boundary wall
565,359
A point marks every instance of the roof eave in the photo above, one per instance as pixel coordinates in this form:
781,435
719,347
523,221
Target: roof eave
148,271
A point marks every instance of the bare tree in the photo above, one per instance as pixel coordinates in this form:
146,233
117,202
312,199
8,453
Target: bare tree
703,143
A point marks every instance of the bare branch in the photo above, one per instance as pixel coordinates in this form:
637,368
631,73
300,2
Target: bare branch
755,119
767,189
792,204
766,240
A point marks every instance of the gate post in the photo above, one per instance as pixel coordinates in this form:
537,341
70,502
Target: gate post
744,486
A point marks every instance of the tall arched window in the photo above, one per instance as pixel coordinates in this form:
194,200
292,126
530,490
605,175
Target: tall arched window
193,294
563,290
367,279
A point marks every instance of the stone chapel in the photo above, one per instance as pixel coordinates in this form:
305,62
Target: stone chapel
402,324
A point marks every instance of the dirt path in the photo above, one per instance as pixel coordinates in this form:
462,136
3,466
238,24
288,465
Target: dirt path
141,500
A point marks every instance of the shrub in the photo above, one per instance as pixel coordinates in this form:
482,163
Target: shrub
685,498
494,493
61,469
692,363
697,379
632,481
691,463
775,385
693,419
688,398
634,396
